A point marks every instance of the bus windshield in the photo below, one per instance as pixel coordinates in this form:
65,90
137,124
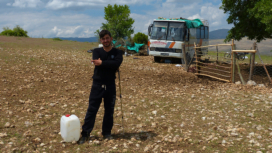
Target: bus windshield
168,31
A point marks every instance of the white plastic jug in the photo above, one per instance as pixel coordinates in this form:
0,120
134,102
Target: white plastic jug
70,128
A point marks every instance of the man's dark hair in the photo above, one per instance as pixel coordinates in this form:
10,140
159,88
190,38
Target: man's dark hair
103,33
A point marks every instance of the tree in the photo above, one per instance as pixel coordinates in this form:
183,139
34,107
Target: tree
140,38
251,18
118,21
17,31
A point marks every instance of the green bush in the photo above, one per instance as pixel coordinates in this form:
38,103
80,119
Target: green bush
17,31
57,39
140,38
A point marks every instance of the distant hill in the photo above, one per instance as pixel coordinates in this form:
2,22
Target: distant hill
219,34
216,34
90,39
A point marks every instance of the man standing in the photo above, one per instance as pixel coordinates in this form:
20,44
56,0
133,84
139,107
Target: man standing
107,61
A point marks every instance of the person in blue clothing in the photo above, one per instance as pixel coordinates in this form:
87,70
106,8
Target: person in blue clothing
107,60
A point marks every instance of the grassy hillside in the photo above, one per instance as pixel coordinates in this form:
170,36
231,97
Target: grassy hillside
44,43
265,47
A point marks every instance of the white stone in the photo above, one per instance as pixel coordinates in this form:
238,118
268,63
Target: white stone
146,149
259,127
125,145
154,112
234,134
96,142
250,115
261,85
7,125
251,141
238,82
251,83
3,135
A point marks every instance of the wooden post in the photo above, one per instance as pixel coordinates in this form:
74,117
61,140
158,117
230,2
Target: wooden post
239,72
184,56
252,62
196,58
217,52
233,57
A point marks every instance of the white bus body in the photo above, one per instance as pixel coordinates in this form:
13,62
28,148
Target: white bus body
166,38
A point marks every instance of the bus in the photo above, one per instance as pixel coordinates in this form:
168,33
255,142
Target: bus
167,36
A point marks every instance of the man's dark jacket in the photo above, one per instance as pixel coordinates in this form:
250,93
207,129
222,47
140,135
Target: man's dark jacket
111,61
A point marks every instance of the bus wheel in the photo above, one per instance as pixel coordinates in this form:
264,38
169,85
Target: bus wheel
157,59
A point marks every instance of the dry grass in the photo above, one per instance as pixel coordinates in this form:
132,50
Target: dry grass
165,108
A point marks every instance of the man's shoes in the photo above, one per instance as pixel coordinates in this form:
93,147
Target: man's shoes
82,140
108,137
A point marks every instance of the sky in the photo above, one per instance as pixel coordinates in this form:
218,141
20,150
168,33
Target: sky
81,18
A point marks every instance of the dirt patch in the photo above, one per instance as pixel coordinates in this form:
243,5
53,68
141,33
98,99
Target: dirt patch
165,108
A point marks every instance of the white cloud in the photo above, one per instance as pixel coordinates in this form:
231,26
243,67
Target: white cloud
49,25
62,4
56,19
25,3
195,16
141,22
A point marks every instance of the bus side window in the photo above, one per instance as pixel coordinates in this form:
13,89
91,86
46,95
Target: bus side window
197,33
193,33
206,32
187,35
202,32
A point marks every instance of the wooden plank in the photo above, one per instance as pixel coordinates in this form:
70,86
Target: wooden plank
232,62
215,73
214,45
213,77
252,63
196,58
214,65
191,61
184,56
224,44
205,67
244,51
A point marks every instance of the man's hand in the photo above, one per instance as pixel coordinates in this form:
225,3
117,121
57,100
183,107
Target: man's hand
97,62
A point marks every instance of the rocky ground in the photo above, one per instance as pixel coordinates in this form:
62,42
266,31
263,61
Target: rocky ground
165,109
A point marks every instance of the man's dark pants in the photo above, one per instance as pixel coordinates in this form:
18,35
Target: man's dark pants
108,92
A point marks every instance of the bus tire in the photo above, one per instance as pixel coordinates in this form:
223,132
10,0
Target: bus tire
157,59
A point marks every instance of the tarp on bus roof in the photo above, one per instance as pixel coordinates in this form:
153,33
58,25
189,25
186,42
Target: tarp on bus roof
189,23
134,47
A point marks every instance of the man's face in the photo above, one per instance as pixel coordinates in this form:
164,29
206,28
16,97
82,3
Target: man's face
106,40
